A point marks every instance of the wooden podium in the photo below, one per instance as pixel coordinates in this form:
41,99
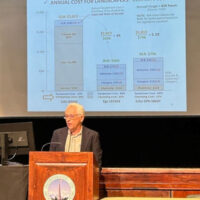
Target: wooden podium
64,176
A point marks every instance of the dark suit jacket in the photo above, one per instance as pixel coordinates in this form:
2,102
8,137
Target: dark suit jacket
90,142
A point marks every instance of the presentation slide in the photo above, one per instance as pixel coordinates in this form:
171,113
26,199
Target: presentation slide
108,55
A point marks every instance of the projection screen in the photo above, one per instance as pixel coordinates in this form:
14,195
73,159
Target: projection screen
115,57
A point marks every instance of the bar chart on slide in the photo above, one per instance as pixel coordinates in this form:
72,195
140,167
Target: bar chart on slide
111,55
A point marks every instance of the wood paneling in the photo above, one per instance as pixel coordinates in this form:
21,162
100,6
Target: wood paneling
149,182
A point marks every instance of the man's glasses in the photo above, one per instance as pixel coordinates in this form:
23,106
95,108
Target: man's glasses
70,116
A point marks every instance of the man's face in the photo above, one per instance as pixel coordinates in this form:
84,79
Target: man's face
73,119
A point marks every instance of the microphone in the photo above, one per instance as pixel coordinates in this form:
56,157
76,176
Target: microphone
49,143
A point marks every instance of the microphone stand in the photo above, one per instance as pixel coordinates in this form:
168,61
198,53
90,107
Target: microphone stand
49,143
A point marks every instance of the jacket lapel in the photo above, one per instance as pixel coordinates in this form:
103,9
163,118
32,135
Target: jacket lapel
84,140
64,135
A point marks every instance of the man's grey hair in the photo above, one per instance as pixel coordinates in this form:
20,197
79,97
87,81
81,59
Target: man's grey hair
79,107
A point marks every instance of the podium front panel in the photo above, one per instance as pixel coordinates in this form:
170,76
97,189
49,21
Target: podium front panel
59,175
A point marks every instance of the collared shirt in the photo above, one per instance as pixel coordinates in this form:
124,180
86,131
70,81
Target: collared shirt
73,142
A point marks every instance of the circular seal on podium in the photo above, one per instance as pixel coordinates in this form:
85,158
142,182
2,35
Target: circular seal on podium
59,187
